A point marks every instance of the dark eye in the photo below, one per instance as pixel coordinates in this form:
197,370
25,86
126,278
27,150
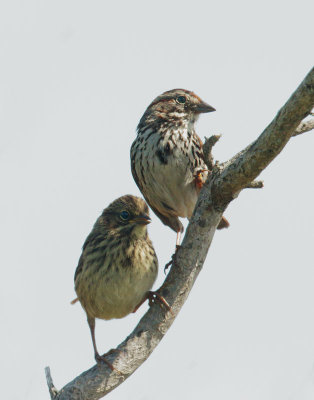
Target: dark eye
124,215
181,99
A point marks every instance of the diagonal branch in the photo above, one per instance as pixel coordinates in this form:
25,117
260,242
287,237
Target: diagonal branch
249,163
225,183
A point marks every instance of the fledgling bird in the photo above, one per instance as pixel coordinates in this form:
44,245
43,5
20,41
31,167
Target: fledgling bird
167,158
118,265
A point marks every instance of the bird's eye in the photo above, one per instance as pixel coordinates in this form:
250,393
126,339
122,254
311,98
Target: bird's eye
181,99
124,215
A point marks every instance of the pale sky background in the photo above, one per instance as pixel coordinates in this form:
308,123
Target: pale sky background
75,78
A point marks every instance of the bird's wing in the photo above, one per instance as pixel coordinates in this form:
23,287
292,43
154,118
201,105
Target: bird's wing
92,239
79,267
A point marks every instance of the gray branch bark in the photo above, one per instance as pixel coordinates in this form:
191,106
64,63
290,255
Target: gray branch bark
224,184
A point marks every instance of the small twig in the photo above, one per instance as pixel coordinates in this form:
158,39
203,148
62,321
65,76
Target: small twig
207,149
52,390
255,185
305,126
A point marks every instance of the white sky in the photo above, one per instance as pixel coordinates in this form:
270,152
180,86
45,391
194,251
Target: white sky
75,78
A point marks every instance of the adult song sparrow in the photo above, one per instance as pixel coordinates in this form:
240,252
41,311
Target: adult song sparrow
167,158
118,265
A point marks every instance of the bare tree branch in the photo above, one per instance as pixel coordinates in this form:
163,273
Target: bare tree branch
52,390
207,149
255,185
223,185
248,164
305,126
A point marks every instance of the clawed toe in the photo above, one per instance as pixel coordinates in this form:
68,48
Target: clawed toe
154,297
102,359
172,261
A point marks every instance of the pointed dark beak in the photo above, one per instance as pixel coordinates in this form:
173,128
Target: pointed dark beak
143,219
204,108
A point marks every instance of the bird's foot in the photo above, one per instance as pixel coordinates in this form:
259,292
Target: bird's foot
199,178
154,297
173,259
102,359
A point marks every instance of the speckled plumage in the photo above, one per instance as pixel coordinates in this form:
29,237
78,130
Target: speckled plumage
167,158
118,265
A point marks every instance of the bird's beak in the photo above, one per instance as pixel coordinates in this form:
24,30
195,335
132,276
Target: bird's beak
142,219
204,108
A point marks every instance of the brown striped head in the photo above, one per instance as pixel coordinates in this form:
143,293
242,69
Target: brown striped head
174,105
124,214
